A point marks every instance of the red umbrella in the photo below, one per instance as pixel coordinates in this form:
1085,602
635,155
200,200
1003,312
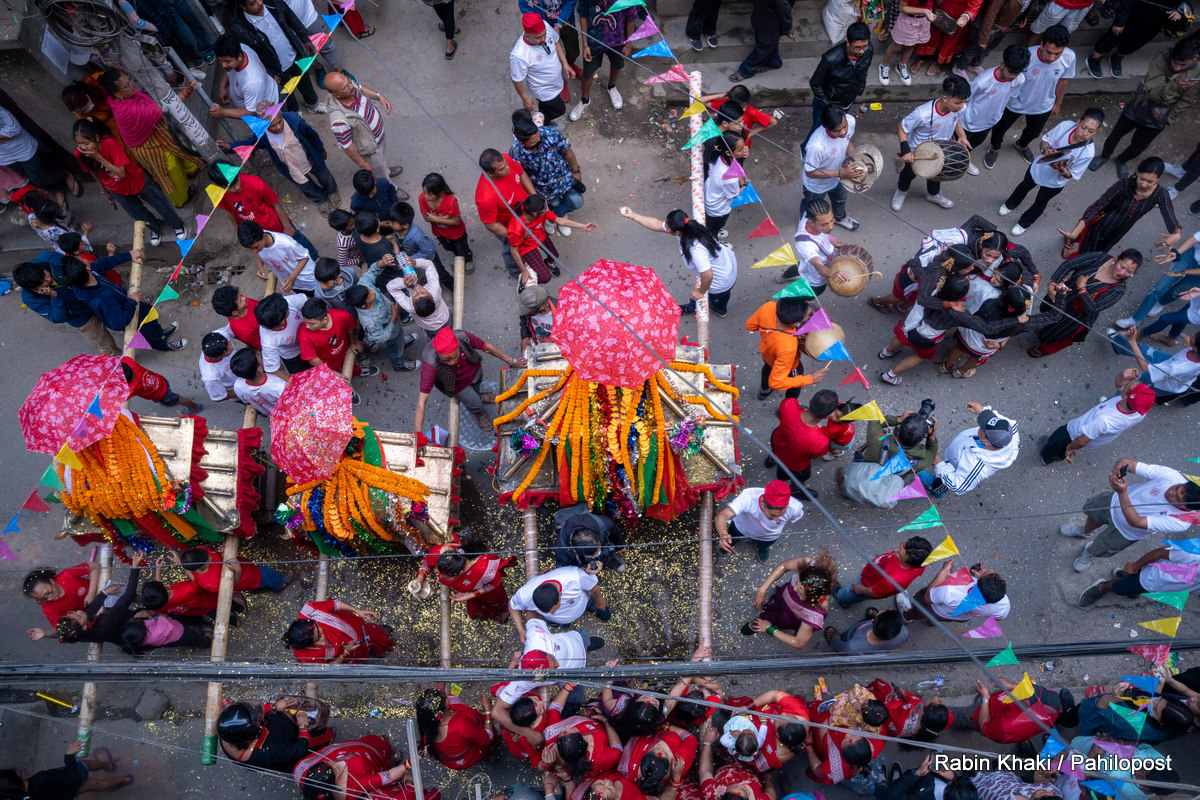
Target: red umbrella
311,425
57,410
597,344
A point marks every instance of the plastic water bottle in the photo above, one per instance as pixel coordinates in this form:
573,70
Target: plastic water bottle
936,683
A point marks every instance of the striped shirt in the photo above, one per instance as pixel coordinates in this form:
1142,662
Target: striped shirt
347,249
365,109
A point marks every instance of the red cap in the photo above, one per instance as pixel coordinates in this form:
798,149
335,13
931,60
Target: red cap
535,659
777,494
445,342
1141,398
533,23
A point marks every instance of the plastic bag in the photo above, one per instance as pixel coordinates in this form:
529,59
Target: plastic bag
838,16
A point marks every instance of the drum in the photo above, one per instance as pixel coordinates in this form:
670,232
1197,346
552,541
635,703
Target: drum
818,342
871,160
856,264
940,160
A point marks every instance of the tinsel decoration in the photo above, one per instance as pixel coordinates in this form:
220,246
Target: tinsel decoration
419,511
686,436
177,497
523,442
288,517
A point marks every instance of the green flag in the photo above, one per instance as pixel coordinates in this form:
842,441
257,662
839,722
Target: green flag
228,170
929,519
1005,656
621,5
305,63
167,294
1135,718
50,478
707,131
797,288
1176,599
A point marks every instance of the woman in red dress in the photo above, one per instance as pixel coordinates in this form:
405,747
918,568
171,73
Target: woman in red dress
478,582
332,632
69,590
576,747
910,716
658,762
357,770
455,733
942,47
784,740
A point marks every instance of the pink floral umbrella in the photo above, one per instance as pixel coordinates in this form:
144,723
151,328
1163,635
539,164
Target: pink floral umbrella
596,343
311,425
57,410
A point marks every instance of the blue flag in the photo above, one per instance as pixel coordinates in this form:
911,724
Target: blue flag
973,600
185,246
835,352
258,125
12,524
331,21
657,50
1052,747
1186,545
94,407
895,465
747,196
1147,683
1104,787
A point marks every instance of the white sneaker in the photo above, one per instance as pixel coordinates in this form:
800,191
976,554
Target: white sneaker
905,75
319,108
1156,309
1072,530
940,199
1126,323
1174,170
155,238
1005,211
849,223
898,200
903,603
198,73
615,96
972,169
1018,229
723,234
550,228
578,110
885,74
563,230
1084,560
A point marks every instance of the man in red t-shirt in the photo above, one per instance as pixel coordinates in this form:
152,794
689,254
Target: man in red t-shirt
204,565
238,311
800,437
327,335
503,185
69,590
904,565
152,386
248,198
1000,719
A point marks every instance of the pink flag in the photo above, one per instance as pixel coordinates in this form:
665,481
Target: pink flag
319,40
735,170
855,377
81,429
913,490
646,29
766,228
201,221
817,322
35,503
272,111
138,342
1190,517
1067,767
990,629
244,152
1120,750
675,73
1186,573
6,553
962,577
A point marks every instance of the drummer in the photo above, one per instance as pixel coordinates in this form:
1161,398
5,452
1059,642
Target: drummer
827,149
937,120
814,247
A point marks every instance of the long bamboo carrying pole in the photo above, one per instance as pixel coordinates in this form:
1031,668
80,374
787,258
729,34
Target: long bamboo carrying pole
460,278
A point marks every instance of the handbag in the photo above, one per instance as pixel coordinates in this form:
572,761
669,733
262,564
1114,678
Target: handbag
1144,111
946,23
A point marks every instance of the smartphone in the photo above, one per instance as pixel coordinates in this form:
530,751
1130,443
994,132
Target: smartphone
1123,470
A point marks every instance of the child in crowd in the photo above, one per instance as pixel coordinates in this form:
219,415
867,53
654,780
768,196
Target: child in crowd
527,239
152,386
416,243
216,351
280,253
332,282
439,207
253,386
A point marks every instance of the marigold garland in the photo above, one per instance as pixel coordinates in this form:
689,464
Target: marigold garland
122,476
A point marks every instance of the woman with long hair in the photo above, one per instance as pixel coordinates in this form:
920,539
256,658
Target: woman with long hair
719,188
799,605
1077,292
123,180
712,261
360,769
1105,222
333,632
911,716
453,732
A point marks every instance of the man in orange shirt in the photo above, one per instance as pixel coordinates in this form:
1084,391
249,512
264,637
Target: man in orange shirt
776,323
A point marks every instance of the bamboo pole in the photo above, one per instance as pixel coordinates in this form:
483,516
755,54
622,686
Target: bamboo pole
460,280
87,699
414,758
529,517
225,590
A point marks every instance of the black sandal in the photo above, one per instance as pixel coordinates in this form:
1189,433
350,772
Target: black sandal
1035,352
453,49
829,633
368,32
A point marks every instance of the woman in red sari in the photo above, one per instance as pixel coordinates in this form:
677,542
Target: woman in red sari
784,739
576,747
609,786
910,716
478,582
838,755
357,770
657,763
942,47
455,733
332,632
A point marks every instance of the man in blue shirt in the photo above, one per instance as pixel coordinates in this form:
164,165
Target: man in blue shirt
551,165
44,290
113,305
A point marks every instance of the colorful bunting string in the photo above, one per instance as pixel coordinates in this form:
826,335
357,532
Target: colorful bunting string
747,196
765,228
866,412
911,492
855,377
659,49
644,31
930,519
944,550
707,131
1166,625
779,257
990,629
1005,657
819,321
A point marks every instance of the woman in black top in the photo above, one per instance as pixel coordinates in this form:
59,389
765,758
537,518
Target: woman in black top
73,778
1079,290
1116,211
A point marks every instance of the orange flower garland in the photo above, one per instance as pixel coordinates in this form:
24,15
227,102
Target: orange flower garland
121,478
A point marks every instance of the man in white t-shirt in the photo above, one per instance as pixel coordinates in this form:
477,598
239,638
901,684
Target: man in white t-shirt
281,254
252,385
421,300
990,92
216,353
937,120
814,247
946,592
1065,153
1051,64
560,596
279,321
1165,502
827,148
536,66
1103,423
1168,374
244,80
758,514
1163,569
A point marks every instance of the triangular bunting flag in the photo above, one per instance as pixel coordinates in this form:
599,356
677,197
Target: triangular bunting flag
67,456
1190,517
1106,788
896,464
1119,750
1135,718
331,21
960,577
201,221
305,63
1166,625
50,478
244,152
817,322
1147,683
35,502
167,294
215,193
1186,545
272,111
621,5
659,49
80,430
94,406
797,288
1174,599
1004,657
185,246
735,170
695,108
138,342
930,519
1192,478
855,377
868,412
835,352
174,273
6,552
12,524
1053,745
228,171
972,600
1154,653
944,550
257,125
675,74
912,491
766,228
779,257
1184,573
1024,689
644,31
150,317
746,196
707,131
291,85
319,39
990,629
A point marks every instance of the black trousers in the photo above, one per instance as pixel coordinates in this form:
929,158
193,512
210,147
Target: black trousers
1035,210
976,138
907,176
1034,124
715,223
1142,137
1055,448
801,475
765,385
551,109
1138,32
702,19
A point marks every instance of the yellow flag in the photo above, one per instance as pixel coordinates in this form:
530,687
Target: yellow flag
943,550
1167,625
67,456
1024,689
1193,478
215,193
869,411
153,315
695,108
291,85
781,256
